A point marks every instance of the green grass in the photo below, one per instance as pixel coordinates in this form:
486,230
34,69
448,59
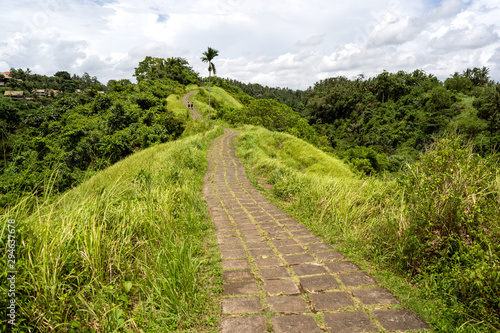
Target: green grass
296,154
358,216
219,98
131,249
174,104
318,187
226,98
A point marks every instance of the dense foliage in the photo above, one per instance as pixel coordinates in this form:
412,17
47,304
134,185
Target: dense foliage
61,81
450,232
290,97
397,114
378,123
60,139
177,69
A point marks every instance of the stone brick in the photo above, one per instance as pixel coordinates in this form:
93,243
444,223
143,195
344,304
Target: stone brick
278,235
258,245
240,288
274,273
309,269
283,287
400,320
261,219
295,324
308,240
284,242
251,239
261,253
357,279
226,240
244,221
273,229
298,258
375,296
235,264
233,254
281,216
267,225
250,232
266,262
287,304
247,228
303,233
231,247
331,301
293,249
224,227
288,221
241,305
244,325
319,283
239,275
349,322
342,266
330,255
319,247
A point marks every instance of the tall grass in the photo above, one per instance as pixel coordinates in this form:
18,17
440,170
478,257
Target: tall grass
387,221
320,189
125,250
219,99
174,104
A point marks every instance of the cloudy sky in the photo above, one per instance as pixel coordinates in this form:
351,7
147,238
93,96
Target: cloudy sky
285,43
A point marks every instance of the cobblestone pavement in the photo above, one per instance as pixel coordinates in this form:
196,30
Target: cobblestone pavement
278,276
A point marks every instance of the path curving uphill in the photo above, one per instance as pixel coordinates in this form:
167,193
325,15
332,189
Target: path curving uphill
278,276
194,113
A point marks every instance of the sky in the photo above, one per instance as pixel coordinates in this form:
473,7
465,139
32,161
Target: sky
279,43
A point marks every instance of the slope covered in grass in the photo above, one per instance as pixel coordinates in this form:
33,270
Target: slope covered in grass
320,187
285,149
125,250
219,100
434,225
174,104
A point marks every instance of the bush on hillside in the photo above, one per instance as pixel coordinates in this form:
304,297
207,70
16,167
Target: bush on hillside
366,160
275,117
449,232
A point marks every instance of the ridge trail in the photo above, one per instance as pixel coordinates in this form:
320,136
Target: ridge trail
278,276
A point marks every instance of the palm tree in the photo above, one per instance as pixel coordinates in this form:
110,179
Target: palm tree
208,56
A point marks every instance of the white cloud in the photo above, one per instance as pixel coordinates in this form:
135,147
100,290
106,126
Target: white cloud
465,38
285,43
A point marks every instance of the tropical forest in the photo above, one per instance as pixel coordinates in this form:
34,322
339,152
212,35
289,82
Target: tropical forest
104,183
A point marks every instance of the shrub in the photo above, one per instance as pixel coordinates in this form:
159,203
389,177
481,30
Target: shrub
449,232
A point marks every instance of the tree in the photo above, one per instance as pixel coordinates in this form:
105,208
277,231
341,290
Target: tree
208,56
176,69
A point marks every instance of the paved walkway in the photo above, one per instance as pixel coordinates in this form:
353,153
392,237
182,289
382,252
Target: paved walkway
194,113
278,276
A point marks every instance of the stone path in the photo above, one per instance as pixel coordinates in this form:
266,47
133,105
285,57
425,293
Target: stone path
194,113
278,276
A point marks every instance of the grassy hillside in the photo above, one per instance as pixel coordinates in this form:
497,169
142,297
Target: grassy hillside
175,105
219,99
435,225
129,249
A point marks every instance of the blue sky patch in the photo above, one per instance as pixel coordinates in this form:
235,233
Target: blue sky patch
162,18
